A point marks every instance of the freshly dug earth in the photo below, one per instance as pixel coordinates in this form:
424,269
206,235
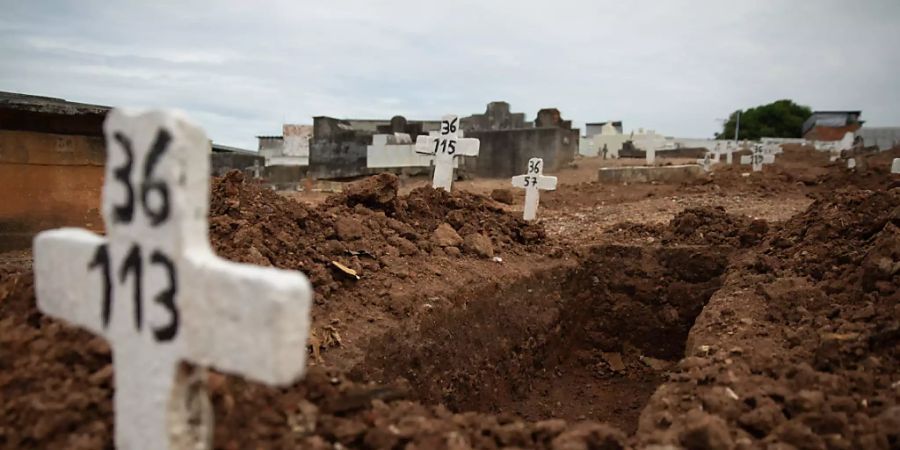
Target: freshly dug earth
589,342
797,349
801,347
368,228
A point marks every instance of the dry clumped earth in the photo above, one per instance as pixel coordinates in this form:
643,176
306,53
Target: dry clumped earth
719,332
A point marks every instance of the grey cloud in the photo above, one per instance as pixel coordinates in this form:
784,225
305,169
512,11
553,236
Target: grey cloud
242,68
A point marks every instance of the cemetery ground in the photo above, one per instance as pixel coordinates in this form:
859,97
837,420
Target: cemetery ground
729,311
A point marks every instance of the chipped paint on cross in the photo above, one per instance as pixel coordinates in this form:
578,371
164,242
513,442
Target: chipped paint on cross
533,182
156,291
445,147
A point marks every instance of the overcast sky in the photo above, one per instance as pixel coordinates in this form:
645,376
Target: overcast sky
242,68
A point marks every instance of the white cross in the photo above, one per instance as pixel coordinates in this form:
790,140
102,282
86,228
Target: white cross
534,181
758,158
706,162
445,147
156,291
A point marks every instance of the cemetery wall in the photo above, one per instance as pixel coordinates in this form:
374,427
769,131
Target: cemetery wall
884,138
331,160
48,181
503,153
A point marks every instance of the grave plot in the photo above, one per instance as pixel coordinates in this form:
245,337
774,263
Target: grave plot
590,342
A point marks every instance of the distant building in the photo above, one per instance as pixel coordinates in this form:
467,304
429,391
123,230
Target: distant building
831,125
52,158
338,147
885,138
595,128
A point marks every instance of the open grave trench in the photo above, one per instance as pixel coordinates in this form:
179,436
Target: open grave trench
585,342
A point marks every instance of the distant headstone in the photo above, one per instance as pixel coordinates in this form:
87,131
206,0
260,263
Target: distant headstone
851,163
533,182
445,147
651,156
706,162
154,289
895,166
758,158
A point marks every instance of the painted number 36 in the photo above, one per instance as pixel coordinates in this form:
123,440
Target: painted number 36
133,263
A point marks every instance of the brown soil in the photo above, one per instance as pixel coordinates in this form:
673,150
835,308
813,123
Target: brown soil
705,329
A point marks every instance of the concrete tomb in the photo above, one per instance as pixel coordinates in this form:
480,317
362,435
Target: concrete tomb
507,141
395,151
758,158
533,182
445,147
156,291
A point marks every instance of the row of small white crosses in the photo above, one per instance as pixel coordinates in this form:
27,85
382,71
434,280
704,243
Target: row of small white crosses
446,146
533,182
758,158
155,290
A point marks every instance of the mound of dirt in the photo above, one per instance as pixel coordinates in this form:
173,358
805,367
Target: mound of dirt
366,228
57,393
802,345
714,226
705,226
55,379
872,171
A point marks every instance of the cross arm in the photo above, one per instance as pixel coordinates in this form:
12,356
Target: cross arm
248,320
69,276
519,181
546,183
542,182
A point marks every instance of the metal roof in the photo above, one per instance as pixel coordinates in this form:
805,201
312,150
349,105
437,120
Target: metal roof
219,148
48,105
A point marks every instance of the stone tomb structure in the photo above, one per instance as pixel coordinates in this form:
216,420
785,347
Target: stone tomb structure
338,148
508,142
155,290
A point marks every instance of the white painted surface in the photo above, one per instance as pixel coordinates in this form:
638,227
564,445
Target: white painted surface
758,158
851,163
193,306
533,182
390,151
650,156
895,166
445,147
707,161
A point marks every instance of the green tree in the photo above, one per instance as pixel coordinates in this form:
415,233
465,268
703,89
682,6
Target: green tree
782,118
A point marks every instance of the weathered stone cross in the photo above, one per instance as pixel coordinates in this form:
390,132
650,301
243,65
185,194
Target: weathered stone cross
758,158
156,291
445,147
534,181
